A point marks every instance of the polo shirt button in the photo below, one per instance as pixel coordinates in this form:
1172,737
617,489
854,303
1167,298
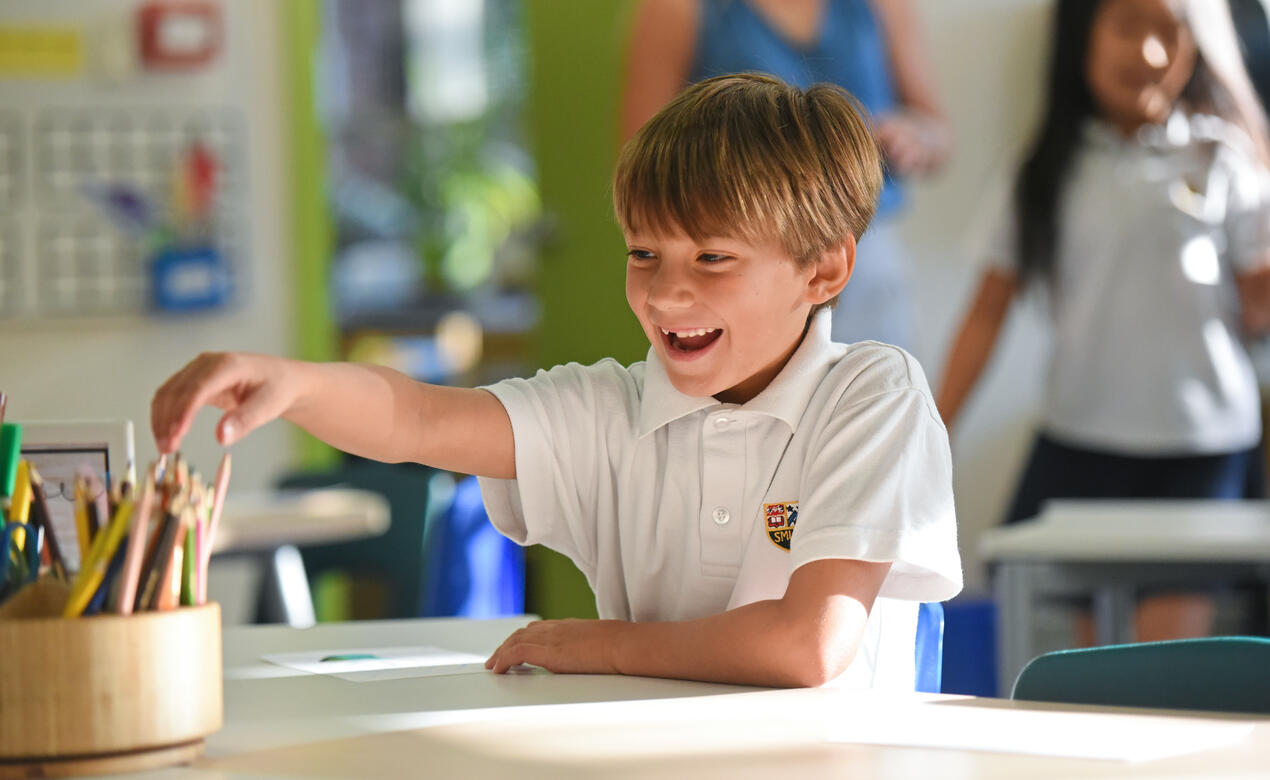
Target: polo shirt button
720,422
721,515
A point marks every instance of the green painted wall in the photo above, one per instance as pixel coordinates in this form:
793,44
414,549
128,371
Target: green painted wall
576,50
312,234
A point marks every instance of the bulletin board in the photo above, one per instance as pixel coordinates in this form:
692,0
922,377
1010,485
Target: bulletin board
69,132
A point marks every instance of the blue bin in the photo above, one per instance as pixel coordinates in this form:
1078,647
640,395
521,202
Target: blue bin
471,570
970,646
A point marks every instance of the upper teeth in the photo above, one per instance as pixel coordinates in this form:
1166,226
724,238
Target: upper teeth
684,334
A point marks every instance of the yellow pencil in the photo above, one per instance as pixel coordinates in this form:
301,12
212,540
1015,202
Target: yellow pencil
81,520
93,568
20,503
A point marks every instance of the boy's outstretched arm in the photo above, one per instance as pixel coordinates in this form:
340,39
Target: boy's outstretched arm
367,410
805,638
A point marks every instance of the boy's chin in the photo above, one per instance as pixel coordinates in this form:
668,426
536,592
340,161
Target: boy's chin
699,388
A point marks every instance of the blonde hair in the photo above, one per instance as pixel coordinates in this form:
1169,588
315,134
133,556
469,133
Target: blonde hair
750,157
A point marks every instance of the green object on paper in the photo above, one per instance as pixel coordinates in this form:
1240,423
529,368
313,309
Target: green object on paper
10,453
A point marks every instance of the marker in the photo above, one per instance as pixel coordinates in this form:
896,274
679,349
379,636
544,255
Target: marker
10,454
349,657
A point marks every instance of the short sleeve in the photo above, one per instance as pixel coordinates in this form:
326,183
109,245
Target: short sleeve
559,421
879,488
1247,221
993,234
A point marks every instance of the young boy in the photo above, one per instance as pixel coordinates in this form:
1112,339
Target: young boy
753,504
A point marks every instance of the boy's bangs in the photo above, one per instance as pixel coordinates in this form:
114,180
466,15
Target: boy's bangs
702,201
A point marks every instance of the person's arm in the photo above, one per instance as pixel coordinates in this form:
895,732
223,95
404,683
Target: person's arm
975,342
658,58
1254,298
805,638
917,139
366,410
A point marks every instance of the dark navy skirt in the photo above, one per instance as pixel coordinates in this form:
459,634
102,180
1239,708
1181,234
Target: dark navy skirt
1056,470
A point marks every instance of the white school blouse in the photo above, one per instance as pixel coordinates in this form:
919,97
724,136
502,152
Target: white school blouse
677,507
1147,356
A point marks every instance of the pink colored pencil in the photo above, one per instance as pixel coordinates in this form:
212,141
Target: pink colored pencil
200,574
140,533
218,503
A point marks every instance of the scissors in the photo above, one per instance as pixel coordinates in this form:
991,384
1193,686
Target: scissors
19,567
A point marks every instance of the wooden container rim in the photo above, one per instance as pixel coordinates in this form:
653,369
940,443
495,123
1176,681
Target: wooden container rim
106,617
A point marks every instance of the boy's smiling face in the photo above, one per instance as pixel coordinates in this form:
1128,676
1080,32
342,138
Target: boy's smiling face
725,314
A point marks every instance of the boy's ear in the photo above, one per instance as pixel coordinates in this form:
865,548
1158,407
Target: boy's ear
832,270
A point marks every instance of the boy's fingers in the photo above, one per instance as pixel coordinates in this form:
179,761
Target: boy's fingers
258,408
537,655
178,400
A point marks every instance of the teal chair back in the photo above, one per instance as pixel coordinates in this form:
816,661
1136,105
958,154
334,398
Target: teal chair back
1223,674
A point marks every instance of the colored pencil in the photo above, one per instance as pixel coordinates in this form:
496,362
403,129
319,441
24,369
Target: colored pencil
159,575
92,570
218,504
20,503
137,544
41,516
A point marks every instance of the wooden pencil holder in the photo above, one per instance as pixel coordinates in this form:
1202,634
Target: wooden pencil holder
108,693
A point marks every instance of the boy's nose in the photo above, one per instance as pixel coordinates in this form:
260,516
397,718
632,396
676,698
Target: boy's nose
669,289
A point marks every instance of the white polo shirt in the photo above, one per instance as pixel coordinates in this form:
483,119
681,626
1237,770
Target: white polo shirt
677,507
1147,355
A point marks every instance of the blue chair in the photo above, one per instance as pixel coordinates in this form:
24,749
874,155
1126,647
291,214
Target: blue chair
929,651
1221,674
470,569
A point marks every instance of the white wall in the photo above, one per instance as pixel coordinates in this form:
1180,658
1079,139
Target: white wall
989,58
110,367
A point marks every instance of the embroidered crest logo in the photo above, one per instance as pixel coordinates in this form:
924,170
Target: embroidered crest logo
779,521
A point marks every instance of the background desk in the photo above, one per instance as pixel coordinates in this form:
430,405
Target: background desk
268,525
281,723
1110,550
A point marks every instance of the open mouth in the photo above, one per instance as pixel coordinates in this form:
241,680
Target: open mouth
692,340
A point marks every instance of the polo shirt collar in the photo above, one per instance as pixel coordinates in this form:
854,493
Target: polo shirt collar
786,398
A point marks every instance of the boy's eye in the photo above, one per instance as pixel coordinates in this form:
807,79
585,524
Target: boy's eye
710,259
639,254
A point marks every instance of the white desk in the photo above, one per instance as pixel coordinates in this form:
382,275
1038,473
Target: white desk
268,525
268,519
1110,549
281,723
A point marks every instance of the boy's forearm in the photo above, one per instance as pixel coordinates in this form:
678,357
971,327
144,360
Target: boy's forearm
379,413
763,643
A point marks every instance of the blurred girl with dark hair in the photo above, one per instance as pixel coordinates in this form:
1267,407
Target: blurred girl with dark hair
1141,210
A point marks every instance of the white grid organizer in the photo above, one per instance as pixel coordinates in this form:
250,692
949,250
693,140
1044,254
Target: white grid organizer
60,253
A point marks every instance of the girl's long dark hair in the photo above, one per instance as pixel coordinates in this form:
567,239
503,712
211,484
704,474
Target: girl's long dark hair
1216,87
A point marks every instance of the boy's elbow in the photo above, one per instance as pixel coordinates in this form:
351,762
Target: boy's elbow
821,656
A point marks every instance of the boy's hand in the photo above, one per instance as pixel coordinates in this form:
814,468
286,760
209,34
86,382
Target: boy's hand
251,389
563,646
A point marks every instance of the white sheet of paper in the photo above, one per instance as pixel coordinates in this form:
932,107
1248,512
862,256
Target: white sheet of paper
1058,734
386,663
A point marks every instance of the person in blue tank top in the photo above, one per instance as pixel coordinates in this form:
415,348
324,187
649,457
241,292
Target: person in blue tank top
868,47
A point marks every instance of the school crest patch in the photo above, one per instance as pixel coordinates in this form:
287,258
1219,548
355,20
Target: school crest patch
779,521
